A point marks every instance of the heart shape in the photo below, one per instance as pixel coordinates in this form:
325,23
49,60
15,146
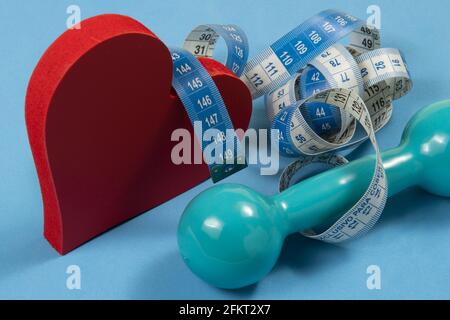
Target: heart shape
100,112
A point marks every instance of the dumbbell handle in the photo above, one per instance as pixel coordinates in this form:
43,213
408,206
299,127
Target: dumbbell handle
319,201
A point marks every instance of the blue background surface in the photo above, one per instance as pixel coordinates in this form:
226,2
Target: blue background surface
140,258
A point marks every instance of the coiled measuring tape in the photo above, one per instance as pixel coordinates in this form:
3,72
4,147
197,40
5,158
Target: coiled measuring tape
381,75
316,92
365,213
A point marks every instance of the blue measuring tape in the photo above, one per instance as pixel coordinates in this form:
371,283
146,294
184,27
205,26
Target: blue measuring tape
202,100
274,66
319,94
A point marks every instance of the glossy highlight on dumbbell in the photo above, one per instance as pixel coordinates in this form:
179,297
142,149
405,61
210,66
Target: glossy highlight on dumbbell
231,236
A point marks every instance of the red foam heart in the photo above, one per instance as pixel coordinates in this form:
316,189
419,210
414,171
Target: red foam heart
100,113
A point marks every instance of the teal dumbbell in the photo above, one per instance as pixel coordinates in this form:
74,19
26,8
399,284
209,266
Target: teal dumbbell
231,236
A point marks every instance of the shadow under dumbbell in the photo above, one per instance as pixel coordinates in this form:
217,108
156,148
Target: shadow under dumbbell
416,208
306,255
